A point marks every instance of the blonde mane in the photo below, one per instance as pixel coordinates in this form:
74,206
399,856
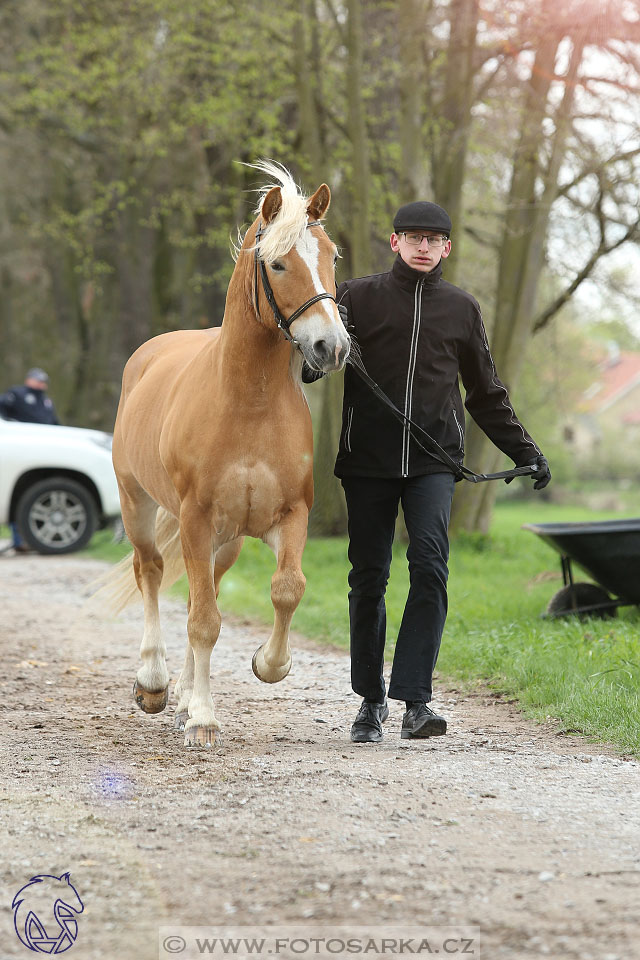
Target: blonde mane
291,220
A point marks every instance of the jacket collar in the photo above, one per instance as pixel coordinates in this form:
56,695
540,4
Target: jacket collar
407,277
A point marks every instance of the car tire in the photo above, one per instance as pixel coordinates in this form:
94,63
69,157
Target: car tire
57,515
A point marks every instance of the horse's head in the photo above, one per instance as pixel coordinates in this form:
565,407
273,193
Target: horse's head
299,261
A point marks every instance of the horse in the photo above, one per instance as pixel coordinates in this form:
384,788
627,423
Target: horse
213,442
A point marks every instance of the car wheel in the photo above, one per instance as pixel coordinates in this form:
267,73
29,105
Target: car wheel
57,515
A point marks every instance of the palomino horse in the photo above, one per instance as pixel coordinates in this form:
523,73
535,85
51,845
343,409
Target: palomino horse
214,429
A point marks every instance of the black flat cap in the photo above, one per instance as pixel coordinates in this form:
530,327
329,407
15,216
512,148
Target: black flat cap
422,215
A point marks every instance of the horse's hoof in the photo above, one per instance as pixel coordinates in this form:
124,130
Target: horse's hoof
201,737
148,701
180,720
267,673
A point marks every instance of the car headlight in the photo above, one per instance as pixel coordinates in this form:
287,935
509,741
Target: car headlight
104,440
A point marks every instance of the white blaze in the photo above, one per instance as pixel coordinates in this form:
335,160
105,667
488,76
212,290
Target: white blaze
309,249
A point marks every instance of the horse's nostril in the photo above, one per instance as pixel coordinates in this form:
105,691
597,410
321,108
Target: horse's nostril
321,349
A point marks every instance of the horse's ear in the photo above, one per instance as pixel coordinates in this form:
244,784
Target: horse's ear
319,202
271,204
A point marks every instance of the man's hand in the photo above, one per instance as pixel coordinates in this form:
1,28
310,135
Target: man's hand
344,316
543,476
309,375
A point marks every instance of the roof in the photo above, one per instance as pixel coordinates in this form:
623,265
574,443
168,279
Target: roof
617,377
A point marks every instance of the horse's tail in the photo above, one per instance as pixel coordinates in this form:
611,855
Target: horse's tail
118,587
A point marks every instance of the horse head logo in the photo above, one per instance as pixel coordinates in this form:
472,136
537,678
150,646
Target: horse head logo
44,914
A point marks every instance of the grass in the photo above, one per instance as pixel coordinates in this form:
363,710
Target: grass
586,673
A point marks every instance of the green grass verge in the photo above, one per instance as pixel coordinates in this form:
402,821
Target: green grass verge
584,673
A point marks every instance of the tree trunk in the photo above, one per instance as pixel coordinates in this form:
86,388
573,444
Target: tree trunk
305,77
451,152
521,259
360,230
412,170
329,514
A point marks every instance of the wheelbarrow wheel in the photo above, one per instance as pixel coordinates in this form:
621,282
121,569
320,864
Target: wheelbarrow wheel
573,599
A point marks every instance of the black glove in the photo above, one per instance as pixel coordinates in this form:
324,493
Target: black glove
543,476
309,375
344,316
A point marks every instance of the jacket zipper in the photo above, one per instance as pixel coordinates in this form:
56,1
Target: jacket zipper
413,354
460,431
347,433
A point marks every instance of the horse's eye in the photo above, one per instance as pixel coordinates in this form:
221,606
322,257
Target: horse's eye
278,266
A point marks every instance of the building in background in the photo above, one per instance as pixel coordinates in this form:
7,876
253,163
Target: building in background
609,409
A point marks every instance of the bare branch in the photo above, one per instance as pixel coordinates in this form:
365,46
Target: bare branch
609,81
596,169
632,233
482,238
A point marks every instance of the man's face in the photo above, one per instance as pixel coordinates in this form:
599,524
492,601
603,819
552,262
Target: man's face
423,255
36,384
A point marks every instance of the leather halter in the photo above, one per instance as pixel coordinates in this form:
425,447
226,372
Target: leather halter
282,322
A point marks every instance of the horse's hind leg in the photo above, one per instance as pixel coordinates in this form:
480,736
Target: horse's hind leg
184,686
224,559
151,686
272,661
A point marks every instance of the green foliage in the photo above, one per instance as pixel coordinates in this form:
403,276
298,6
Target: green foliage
125,127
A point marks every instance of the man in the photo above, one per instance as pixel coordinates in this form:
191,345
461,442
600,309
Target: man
28,403
417,333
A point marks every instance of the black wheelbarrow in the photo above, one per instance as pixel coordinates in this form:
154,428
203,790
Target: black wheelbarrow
608,551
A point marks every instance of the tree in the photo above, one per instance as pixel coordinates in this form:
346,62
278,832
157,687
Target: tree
548,98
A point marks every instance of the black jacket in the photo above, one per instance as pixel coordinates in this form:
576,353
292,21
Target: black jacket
27,405
417,333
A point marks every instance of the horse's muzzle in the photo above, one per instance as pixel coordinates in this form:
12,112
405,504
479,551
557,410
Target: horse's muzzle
331,353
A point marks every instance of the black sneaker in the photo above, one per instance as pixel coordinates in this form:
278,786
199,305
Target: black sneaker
420,721
367,727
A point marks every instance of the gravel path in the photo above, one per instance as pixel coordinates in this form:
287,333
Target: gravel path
502,825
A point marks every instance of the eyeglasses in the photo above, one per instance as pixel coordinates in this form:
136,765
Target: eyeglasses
434,240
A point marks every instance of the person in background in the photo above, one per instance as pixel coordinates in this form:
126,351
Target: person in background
28,403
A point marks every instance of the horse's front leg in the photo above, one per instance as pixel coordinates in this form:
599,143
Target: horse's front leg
272,661
225,557
203,622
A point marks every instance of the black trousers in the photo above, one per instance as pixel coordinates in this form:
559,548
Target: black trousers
372,504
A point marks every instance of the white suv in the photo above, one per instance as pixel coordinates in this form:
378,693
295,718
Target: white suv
56,483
